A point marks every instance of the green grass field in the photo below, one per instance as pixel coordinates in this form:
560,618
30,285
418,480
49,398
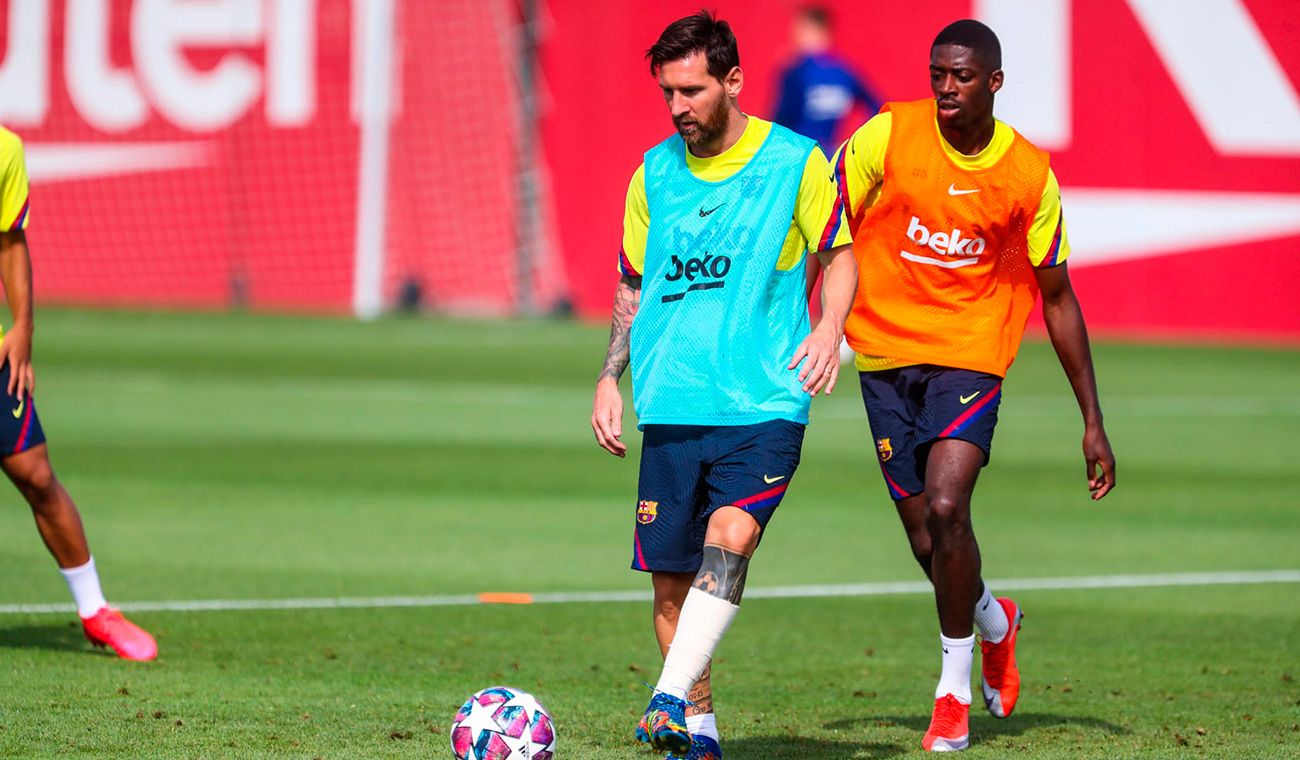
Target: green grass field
239,457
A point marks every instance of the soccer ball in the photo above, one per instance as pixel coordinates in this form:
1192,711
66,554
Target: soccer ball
502,723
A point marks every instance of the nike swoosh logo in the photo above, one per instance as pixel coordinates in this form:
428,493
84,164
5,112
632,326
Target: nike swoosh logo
704,213
18,412
770,481
952,190
967,399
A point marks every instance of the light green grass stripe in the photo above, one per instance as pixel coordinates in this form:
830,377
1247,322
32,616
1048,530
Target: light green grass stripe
772,592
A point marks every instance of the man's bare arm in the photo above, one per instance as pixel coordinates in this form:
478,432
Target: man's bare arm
607,407
820,351
16,348
627,298
1069,336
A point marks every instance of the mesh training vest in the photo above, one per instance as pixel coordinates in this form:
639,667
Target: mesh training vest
718,323
943,255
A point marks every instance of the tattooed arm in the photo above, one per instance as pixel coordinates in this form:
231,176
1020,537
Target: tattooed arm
607,408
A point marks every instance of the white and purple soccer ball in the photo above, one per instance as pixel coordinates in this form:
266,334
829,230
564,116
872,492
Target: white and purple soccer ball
502,723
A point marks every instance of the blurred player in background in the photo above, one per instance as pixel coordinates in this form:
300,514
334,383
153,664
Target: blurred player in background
957,227
818,89
22,442
719,221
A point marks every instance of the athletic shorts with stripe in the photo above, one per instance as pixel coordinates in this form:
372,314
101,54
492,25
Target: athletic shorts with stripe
689,471
20,428
910,408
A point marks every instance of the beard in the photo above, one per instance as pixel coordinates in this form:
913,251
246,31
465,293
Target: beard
707,129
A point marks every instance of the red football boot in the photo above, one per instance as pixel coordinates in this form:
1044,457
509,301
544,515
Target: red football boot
949,729
108,628
999,674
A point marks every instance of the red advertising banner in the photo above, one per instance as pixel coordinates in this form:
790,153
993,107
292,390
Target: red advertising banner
207,154
1174,130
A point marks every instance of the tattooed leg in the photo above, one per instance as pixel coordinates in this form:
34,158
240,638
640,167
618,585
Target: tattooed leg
722,573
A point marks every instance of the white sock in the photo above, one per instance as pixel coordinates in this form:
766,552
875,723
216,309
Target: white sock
83,581
955,678
703,725
990,618
703,620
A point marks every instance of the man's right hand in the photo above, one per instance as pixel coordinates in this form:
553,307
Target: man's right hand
607,417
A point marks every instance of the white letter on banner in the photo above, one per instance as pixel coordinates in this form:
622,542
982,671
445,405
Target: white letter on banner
25,73
190,99
291,63
107,99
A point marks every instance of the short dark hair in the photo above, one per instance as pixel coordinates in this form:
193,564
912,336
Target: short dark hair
702,32
818,14
969,33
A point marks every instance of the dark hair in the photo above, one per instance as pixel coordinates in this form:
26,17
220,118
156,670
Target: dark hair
700,33
817,14
969,33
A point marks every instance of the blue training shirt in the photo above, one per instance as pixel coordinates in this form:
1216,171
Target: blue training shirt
817,92
718,321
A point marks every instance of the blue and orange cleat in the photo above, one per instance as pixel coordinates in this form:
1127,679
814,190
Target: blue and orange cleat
702,748
108,628
664,725
1000,676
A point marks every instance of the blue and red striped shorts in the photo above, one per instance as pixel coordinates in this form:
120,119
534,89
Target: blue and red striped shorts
689,471
910,408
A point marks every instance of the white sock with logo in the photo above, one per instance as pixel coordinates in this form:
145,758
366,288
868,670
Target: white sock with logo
990,618
958,654
705,724
703,620
83,581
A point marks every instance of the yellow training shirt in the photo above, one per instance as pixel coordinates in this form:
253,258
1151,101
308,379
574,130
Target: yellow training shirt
13,183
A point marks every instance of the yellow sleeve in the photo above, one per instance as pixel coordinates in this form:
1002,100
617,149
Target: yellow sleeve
860,165
1048,244
636,226
818,213
13,183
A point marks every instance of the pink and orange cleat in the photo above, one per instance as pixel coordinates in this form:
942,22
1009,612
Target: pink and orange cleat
1000,676
949,729
108,628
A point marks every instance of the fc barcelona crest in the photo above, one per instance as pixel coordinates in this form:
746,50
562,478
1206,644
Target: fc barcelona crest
886,451
646,511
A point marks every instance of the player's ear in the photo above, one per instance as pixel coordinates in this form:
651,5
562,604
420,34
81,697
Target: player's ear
995,81
734,81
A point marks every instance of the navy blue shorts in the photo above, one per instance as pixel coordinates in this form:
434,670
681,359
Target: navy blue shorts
20,428
689,471
910,408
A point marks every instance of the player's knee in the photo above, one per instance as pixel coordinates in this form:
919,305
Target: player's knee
948,514
35,479
734,529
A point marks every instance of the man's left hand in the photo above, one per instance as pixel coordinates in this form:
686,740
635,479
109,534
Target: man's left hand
1098,454
821,349
16,351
